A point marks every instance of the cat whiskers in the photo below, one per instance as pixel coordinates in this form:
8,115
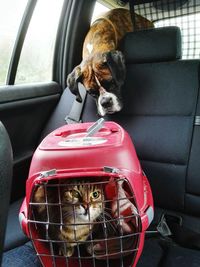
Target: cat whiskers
106,217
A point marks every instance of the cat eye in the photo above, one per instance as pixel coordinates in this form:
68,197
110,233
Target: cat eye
95,194
75,193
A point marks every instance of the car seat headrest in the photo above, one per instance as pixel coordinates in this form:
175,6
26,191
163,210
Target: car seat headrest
152,45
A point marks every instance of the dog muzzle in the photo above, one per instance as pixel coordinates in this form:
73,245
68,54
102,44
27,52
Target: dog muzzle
107,103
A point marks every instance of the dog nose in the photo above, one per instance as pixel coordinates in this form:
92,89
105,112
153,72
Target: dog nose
106,102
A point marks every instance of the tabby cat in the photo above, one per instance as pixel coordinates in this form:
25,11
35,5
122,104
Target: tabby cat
81,205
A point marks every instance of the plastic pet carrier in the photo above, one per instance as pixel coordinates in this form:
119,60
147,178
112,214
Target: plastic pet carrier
88,202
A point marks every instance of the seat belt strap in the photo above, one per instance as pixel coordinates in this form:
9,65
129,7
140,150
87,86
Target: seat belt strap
75,113
132,11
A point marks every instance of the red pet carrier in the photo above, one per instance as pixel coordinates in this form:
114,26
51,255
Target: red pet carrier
88,203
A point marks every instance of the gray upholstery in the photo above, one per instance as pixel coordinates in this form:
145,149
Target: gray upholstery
14,236
5,181
160,100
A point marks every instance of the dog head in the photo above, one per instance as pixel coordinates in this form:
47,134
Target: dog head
102,75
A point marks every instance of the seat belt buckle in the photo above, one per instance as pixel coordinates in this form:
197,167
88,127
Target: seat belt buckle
166,220
163,227
70,120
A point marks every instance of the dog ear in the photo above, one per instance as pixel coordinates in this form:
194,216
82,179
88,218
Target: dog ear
116,64
72,82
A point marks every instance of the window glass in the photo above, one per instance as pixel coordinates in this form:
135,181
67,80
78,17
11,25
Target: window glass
36,59
11,13
184,14
98,10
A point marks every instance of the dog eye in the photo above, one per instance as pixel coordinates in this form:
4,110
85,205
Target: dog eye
103,64
93,93
107,84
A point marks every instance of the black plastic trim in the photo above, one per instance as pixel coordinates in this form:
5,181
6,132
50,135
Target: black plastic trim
10,94
60,41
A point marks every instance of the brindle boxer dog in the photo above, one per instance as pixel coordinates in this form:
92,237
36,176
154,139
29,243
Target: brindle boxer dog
102,70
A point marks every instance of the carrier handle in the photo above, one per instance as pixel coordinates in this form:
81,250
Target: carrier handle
94,128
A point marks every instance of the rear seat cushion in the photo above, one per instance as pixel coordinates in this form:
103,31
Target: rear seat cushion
163,253
160,99
14,235
159,108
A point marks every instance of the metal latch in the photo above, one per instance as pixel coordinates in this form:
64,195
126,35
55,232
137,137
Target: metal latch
110,169
46,174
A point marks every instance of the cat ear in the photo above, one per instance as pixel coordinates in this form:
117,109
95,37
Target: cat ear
39,197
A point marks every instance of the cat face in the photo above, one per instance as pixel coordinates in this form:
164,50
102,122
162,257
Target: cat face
82,203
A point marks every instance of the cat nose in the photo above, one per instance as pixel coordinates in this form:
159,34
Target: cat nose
85,206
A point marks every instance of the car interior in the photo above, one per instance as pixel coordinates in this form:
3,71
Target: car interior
161,113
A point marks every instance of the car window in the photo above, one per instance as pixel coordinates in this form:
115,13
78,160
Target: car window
190,28
8,31
184,14
35,64
98,10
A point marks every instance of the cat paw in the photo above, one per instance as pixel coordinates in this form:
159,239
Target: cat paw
67,252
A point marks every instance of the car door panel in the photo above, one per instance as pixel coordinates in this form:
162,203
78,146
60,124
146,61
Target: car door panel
24,110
